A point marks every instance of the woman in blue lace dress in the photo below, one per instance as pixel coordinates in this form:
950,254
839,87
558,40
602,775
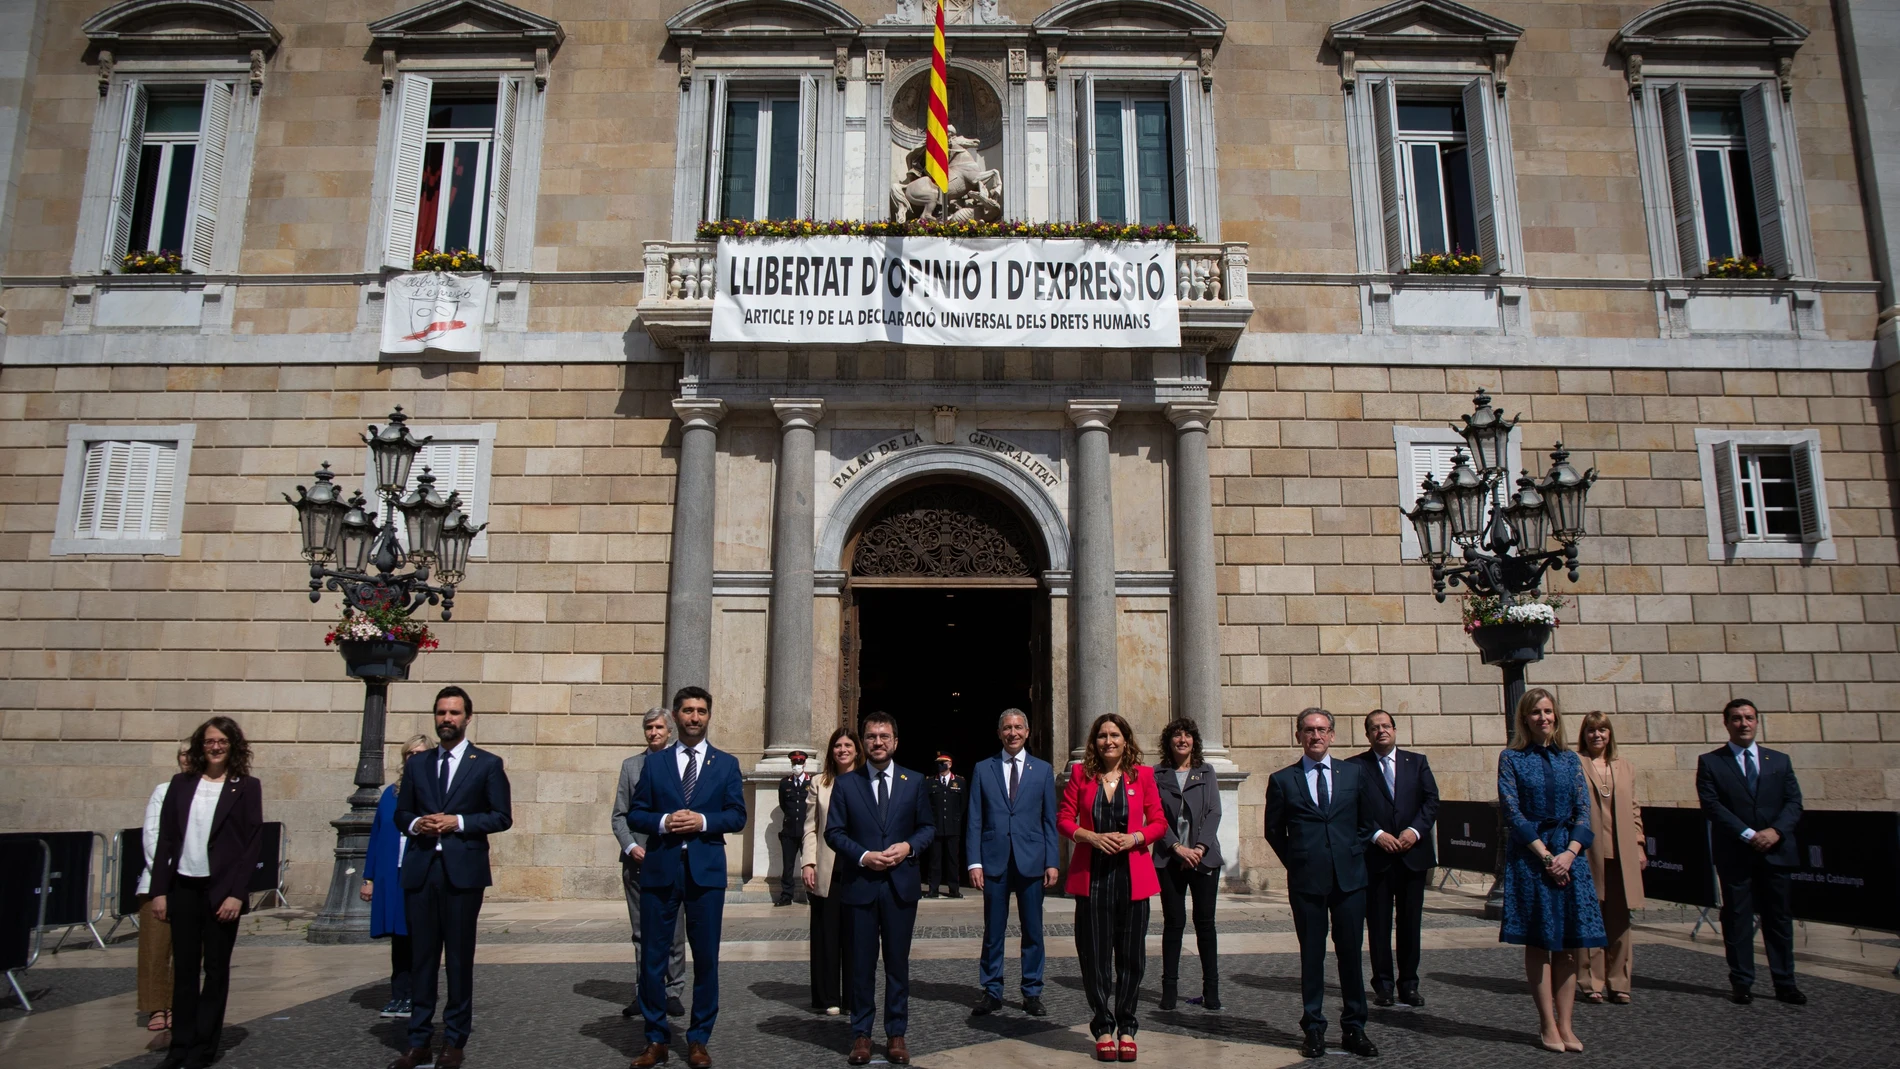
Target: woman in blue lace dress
1550,905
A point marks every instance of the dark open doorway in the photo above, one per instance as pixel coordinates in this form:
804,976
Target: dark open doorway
945,662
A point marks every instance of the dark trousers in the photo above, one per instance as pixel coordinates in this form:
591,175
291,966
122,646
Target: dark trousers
1177,884
199,939
789,847
830,956
943,861
1765,889
442,924
1401,887
996,892
885,922
676,962
401,960
704,910
1346,911
1111,943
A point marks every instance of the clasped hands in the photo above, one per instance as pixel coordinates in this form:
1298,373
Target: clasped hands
1765,840
888,858
436,824
681,822
1113,842
1400,844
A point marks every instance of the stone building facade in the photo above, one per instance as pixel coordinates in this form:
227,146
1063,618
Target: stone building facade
1208,530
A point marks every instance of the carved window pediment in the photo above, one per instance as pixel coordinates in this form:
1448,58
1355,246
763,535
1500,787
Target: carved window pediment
763,20
1136,20
466,26
1710,29
1411,27
945,531
189,26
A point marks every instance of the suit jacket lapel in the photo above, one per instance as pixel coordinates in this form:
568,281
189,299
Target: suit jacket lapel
227,795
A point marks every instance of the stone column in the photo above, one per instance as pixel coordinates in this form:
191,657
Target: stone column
789,641
1196,613
1093,587
690,580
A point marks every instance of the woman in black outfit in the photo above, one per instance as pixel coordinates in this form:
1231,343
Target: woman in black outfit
1188,860
208,842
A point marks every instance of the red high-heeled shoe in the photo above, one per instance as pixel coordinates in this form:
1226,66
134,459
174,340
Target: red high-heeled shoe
1105,1050
1127,1050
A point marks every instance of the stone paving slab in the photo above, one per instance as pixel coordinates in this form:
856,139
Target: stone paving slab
52,989
1479,1015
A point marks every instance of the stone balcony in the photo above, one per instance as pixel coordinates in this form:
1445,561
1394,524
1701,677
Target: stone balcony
1210,284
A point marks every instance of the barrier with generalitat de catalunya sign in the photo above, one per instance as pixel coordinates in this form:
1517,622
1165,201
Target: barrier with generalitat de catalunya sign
1468,836
1022,293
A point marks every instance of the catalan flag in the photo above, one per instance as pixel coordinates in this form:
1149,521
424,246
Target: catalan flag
937,154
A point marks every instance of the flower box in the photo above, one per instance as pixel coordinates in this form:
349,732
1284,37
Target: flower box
1737,267
384,659
1511,643
1456,262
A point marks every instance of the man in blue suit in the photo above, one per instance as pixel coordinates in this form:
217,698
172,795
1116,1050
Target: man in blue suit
690,797
453,797
879,823
1320,820
1011,831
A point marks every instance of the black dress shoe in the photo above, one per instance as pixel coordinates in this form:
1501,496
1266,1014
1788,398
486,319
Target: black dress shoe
1355,1041
1314,1046
986,1005
631,1011
673,1007
929,894
1791,995
1382,998
1740,995
1411,997
956,894
1033,1006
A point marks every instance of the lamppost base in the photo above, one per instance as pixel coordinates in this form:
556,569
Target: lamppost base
345,916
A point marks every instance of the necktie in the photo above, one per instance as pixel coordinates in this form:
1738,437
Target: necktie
1014,779
1391,774
690,778
442,775
1324,796
883,793
1749,772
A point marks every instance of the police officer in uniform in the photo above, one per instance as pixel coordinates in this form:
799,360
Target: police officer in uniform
944,856
792,800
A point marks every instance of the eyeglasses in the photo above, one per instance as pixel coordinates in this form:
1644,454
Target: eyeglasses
217,744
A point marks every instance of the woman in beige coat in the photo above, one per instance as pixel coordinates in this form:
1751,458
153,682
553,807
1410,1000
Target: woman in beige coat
1617,857
830,980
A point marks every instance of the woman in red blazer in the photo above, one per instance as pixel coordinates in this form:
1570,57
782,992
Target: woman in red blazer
1112,877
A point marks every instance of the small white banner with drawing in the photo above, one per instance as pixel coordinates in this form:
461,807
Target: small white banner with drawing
1061,293
434,310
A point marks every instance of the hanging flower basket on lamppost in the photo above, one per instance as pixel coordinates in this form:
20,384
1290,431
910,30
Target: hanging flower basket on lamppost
384,582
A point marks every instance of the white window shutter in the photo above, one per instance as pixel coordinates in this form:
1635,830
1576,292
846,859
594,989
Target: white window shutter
716,151
807,147
1728,479
1085,147
92,488
1771,202
1487,173
1807,492
1684,190
501,162
161,499
1181,92
207,185
124,200
1392,193
405,185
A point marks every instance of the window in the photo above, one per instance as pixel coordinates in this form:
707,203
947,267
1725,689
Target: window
452,167
172,148
1437,166
1133,172
759,179
123,490
1721,152
460,458
1768,494
1426,451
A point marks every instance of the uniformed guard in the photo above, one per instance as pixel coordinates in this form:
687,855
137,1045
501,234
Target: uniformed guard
944,856
792,800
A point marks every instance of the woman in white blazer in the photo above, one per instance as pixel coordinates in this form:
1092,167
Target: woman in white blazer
830,980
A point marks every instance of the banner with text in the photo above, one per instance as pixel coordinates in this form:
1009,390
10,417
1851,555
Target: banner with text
1048,293
434,310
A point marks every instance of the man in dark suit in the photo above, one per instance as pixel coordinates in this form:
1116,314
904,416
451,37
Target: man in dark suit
878,823
1320,819
1013,851
1399,865
942,860
791,829
1751,797
633,851
453,798
690,798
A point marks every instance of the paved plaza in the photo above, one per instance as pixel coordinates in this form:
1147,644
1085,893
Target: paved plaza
554,976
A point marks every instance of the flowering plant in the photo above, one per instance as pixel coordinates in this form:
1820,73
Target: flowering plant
380,623
453,260
1483,611
711,229
152,262
1737,267
1455,262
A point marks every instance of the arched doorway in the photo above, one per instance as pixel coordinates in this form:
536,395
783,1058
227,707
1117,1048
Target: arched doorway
946,624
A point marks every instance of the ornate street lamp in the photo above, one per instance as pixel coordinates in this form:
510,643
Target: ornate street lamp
1500,538
343,541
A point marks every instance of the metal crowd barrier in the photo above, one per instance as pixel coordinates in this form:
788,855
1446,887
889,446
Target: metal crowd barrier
23,902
